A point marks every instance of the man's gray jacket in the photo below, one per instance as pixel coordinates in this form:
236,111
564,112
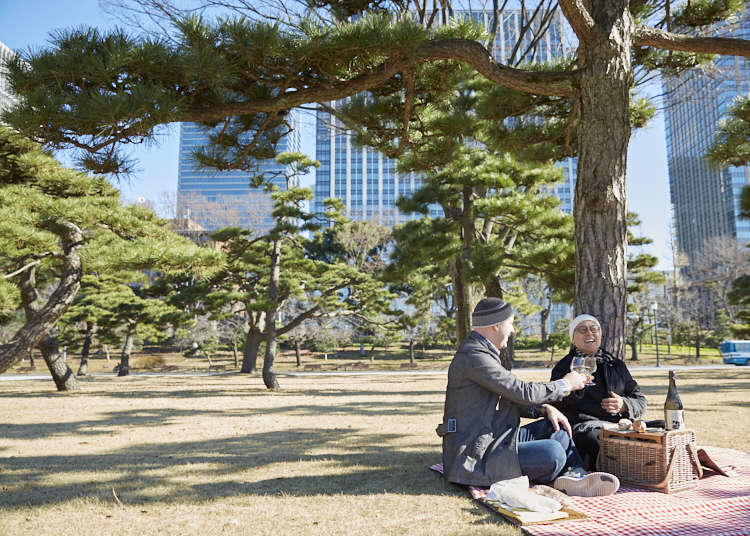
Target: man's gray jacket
483,406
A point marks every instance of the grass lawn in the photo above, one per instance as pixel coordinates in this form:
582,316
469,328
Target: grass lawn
221,455
395,357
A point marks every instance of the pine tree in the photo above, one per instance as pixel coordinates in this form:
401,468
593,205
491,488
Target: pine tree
95,90
280,271
57,224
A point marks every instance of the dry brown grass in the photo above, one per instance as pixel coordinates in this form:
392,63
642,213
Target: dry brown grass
394,358
221,455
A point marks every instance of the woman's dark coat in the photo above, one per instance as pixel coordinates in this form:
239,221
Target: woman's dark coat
583,408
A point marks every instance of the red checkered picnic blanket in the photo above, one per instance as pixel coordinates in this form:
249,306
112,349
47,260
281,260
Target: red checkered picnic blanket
718,506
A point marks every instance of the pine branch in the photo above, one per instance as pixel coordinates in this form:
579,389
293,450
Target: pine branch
580,20
646,36
540,83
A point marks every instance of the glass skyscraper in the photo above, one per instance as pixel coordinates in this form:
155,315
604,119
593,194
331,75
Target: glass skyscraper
215,199
368,182
705,199
7,99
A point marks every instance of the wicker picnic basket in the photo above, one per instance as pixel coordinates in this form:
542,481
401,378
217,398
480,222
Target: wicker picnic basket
666,461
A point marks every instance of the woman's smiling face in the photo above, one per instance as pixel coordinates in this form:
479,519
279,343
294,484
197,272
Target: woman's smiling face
587,337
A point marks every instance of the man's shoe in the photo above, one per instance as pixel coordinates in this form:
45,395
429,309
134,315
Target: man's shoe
582,484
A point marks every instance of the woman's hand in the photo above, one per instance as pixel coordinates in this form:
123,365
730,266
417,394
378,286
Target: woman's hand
557,419
614,404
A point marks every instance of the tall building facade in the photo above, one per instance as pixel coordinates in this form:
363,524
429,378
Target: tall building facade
215,199
368,182
7,99
705,199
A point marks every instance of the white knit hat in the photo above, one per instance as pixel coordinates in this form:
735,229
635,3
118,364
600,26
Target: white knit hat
581,318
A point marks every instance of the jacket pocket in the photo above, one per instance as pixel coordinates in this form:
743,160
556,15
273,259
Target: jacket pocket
479,445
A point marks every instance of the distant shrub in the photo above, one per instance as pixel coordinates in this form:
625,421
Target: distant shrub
150,361
523,342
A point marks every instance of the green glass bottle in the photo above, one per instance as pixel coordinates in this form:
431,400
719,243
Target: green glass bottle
674,418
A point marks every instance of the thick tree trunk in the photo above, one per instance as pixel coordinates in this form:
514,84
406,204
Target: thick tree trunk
411,350
634,347
250,351
543,317
85,350
600,202
127,348
507,353
462,300
269,375
40,320
61,373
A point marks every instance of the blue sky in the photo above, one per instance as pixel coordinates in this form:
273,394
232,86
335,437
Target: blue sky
26,24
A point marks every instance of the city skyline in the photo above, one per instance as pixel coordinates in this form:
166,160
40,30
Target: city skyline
647,172
705,198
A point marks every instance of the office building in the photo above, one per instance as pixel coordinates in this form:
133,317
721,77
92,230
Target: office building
215,199
7,99
368,182
705,199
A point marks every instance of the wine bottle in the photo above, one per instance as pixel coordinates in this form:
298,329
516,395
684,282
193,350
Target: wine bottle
673,415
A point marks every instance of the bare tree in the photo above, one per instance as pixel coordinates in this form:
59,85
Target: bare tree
715,268
248,210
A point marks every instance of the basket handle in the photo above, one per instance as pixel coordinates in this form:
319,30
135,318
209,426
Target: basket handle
694,458
664,484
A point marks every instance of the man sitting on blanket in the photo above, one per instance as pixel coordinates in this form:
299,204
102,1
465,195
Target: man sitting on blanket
483,441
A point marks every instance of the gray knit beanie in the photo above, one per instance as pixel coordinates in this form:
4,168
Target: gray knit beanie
490,311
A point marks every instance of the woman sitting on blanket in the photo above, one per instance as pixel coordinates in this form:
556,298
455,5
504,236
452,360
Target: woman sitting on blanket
614,395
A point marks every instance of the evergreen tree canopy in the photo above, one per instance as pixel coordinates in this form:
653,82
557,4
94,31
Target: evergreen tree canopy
98,91
57,224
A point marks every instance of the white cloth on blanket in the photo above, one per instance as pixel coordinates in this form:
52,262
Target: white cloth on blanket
515,492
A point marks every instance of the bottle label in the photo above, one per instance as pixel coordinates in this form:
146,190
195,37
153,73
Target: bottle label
675,420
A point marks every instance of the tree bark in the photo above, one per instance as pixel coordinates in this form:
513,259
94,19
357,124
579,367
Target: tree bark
506,354
40,321
544,316
634,346
250,351
127,348
600,199
461,299
411,350
269,375
61,373
85,350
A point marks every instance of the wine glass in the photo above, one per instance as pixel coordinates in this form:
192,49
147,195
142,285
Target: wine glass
584,365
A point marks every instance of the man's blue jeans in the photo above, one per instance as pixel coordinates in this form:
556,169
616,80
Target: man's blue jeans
544,453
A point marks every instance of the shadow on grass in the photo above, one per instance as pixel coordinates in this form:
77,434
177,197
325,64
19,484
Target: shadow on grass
346,461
